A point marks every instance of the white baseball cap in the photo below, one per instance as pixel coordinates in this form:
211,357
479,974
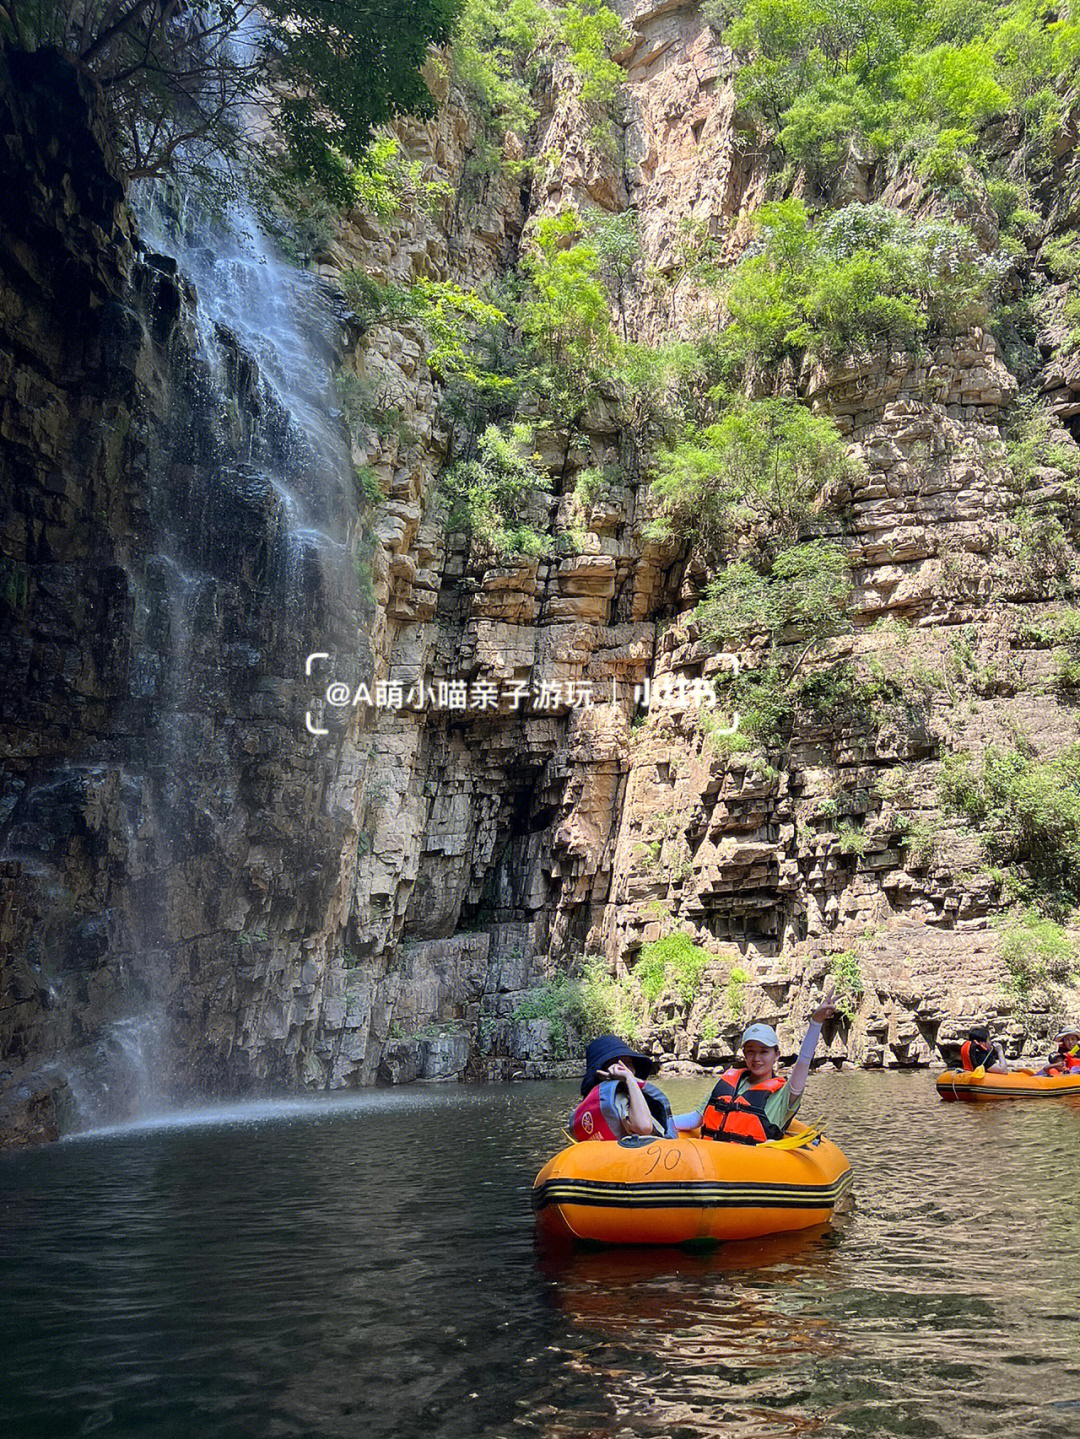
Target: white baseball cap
763,1033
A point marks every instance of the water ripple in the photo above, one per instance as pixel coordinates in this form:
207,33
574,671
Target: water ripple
365,1265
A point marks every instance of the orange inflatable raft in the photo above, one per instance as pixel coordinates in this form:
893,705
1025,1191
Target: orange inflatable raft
673,1191
1021,1084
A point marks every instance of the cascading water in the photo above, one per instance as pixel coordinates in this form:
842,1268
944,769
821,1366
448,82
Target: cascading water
264,337
251,297
170,835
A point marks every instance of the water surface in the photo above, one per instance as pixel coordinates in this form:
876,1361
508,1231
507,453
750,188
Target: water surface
366,1267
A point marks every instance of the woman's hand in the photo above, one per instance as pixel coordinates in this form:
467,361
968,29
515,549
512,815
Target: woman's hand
827,1008
618,1070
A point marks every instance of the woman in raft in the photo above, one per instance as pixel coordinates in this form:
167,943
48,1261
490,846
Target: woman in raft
616,1098
750,1104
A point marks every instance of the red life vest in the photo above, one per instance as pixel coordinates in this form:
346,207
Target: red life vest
972,1061
740,1119
596,1117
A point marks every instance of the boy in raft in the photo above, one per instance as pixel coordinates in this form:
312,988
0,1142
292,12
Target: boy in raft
751,1104
979,1051
1067,1058
616,1098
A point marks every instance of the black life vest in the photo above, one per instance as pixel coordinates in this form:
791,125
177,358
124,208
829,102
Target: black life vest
973,1054
740,1119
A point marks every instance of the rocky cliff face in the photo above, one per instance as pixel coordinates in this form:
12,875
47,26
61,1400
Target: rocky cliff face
188,871
512,844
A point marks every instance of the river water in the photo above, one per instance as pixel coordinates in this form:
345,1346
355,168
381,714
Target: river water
366,1267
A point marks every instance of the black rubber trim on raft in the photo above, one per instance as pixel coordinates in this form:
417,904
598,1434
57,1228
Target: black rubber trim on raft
997,1092
693,1194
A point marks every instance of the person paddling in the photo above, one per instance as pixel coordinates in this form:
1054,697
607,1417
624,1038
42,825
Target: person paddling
617,1101
751,1103
979,1051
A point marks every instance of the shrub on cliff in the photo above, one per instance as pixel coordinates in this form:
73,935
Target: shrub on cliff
494,43
178,81
565,316
1038,954
890,78
859,276
761,467
802,596
1028,813
674,962
492,494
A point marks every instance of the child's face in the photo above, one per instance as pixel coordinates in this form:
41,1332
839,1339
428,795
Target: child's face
760,1059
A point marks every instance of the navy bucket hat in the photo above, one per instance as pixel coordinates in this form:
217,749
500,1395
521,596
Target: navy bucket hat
606,1047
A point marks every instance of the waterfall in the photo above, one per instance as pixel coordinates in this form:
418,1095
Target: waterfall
250,561
181,519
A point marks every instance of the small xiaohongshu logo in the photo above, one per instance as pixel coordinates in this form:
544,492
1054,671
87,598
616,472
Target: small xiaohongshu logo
587,1122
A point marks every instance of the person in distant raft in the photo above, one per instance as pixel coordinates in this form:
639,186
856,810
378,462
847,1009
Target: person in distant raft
1067,1058
617,1101
750,1104
979,1051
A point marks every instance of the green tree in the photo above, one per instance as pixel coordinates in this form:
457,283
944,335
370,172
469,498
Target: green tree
178,79
862,274
494,41
492,495
890,77
591,32
762,467
803,596
617,245
564,316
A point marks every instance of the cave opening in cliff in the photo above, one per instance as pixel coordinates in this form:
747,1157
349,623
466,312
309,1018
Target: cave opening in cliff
758,929
505,889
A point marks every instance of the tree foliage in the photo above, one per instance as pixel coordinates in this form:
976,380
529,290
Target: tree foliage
889,77
565,315
762,466
591,32
180,79
491,494
1028,812
494,43
803,596
862,274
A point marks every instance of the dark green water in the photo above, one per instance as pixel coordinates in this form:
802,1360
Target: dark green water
368,1269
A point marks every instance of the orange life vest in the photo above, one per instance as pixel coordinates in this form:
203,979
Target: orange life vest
740,1119
597,1117
970,1059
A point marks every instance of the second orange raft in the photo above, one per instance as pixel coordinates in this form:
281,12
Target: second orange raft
673,1191
1021,1084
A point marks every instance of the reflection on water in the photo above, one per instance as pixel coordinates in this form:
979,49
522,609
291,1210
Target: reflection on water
367,1267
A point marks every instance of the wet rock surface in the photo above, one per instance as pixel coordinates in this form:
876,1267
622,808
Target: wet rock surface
377,904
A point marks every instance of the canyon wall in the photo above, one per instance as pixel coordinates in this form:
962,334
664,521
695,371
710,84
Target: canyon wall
199,892
516,843
170,533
